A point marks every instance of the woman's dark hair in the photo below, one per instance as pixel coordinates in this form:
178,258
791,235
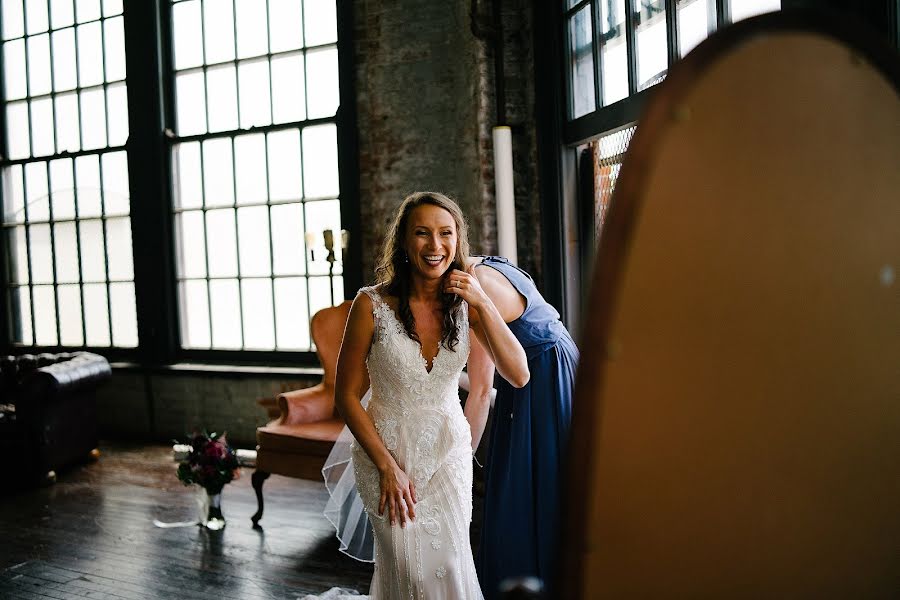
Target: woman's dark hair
393,270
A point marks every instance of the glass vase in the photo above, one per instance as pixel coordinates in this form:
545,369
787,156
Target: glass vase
210,509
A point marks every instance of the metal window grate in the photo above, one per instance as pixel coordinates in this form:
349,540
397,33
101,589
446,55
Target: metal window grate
65,191
609,152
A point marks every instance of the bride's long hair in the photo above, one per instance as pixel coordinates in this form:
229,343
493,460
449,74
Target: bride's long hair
393,270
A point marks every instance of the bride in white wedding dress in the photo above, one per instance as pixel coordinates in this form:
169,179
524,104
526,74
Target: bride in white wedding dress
413,451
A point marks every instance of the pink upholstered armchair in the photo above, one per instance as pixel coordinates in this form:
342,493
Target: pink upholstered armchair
297,443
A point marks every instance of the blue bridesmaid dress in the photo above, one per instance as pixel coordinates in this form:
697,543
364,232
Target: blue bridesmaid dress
529,433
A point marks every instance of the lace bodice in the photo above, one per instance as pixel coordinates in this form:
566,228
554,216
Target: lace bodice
398,371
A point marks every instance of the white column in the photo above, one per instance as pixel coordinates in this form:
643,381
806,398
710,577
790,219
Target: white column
506,206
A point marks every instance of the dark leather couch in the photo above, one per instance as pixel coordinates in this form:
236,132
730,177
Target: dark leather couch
48,412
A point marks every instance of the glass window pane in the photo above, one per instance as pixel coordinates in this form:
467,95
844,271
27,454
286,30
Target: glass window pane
322,77
319,293
118,249
14,70
191,236
13,195
44,315
285,25
90,54
124,314
291,313
62,188
17,137
190,103
226,313
287,88
253,77
87,10
17,246
65,252
742,9
117,106
218,30
21,298
62,13
93,118
36,16
13,19
222,244
96,314
284,165
582,63
252,39
218,172
41,253
87,181
65,76
68,136
222,87
70,332
320,162
287,239
188,185
42,142
195,314
259,321
652,51
93,263
37,192
696,19
115,183
253,235
319,217
114,38
613,51
188,35
39,65
250,161
112,7
319,22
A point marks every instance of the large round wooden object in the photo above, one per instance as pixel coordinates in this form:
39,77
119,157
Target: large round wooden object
737,414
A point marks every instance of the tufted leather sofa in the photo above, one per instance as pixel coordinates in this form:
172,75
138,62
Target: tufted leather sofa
48,413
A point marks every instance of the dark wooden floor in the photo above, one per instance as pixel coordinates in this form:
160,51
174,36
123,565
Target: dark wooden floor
91,535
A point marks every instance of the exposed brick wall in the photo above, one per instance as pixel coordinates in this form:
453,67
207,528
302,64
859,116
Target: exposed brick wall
167,406
425,91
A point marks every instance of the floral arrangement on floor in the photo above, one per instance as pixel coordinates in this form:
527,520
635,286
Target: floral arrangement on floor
211,463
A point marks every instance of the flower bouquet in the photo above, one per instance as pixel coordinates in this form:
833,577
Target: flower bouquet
211,463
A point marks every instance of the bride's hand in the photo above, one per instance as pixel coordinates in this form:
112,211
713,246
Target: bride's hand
465,284
398,495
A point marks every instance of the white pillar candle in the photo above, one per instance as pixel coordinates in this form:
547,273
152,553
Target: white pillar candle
506,206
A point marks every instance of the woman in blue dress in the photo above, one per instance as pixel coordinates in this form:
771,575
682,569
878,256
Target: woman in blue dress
529,431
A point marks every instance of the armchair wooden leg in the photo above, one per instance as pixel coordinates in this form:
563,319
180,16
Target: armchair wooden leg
258,478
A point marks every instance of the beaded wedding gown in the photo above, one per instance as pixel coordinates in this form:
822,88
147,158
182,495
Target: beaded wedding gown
418,416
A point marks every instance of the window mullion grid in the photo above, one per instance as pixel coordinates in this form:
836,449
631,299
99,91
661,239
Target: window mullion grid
307,251
203,167
266,159
52,225
595,48
31,284
237,231
631,44
672,42
104,220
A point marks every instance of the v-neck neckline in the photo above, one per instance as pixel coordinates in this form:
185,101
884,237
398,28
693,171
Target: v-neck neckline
424,360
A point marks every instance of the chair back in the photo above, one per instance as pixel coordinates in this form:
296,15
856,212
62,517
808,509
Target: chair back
737,411
327,329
